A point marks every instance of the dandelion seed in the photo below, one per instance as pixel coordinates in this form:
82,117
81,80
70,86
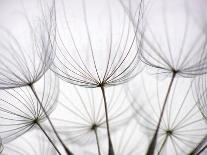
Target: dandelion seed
94,58
25,62
173,42
182,126
20,110
174,45
97,46
24,67
80,114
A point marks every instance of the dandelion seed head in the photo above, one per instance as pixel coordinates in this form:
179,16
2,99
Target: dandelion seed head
174,41
97,44
86,114
20,110
182,126
28,53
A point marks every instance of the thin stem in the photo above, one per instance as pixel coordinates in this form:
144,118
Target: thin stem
203,149
152,145
111,150
48,118
163,144
97,141
199,146
48,138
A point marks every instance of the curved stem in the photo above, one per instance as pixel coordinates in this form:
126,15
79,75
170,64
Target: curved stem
153,142
111,150
97,141
48,138
48,118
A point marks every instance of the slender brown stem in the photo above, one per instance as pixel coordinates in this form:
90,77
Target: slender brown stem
51,124
152,145
48,137
111,150
97,141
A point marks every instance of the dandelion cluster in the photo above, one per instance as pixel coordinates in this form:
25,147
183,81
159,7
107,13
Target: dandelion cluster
103,77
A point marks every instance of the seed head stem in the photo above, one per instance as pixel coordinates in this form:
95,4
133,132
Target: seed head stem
111,150
51,124
152,145
163,144
48,137
199,146
97,141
